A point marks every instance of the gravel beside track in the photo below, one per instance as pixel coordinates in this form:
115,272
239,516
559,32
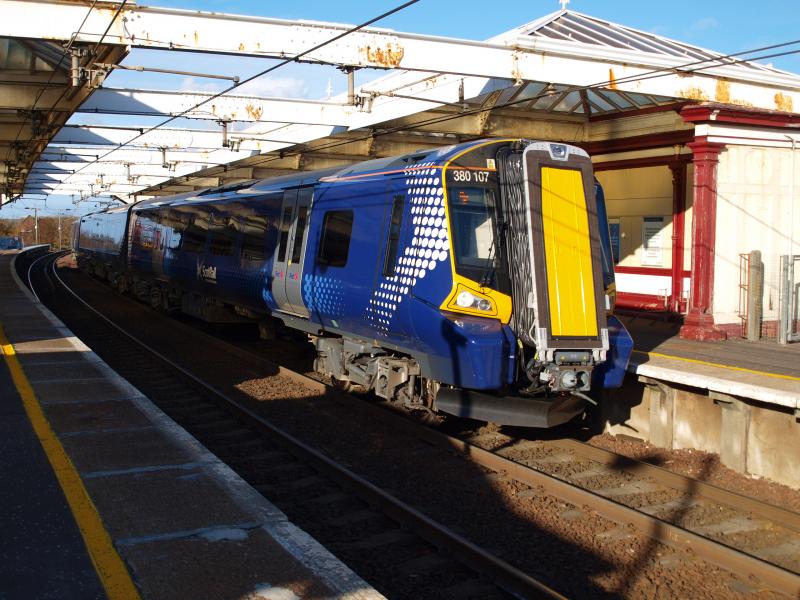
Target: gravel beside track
568,547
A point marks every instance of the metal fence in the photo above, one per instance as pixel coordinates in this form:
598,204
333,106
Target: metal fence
769,297
789,321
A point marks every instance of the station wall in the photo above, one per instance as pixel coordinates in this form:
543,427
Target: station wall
757,209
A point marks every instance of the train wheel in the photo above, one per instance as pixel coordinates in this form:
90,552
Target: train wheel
428,417
155,297
343,385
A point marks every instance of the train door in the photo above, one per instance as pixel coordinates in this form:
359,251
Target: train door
287,270
159,243
297,252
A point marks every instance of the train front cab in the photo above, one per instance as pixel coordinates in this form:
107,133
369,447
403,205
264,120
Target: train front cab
530,248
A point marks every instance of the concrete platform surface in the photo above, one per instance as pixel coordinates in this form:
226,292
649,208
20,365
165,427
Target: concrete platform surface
38,528
763,371
184,524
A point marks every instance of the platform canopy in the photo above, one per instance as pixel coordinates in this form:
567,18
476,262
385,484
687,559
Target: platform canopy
565,68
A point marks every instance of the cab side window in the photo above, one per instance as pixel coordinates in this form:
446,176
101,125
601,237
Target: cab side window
393,241
334,246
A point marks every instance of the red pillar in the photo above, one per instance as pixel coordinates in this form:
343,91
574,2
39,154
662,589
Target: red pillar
678,219
699,321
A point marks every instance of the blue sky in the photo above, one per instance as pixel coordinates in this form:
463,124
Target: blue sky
729,27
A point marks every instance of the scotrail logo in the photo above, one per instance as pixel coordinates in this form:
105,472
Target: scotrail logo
205,273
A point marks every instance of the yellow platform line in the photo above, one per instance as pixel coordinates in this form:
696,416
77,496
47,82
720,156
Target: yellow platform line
107,563
711,364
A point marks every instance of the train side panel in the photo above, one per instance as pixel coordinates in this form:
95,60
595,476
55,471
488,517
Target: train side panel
221,249
101,242
342,253
399,277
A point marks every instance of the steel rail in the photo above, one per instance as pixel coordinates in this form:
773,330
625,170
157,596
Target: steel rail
687,485
728,558
684,484
30,268
501,573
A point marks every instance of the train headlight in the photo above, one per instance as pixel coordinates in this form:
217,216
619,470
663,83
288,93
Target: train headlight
471,302
569,380
467,299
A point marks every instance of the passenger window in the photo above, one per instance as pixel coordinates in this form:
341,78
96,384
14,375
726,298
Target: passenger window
393,242
335,243
174,221
304,196
223,237
254,232
194,239
286,223
302,213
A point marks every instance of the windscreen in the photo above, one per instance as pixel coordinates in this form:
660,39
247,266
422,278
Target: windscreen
478,251
473,231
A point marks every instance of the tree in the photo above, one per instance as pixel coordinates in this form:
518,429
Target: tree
9,227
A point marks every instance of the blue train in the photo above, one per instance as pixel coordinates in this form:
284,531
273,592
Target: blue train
474,279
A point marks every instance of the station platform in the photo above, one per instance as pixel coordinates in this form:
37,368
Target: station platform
734,398
104,496
763,370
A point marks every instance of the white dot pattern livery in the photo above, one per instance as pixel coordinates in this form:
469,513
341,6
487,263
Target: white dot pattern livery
428,246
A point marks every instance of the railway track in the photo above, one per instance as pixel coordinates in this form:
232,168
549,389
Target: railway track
324,497
586,478
740,523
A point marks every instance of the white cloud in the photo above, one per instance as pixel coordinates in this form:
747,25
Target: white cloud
704,24
192,84
275,87
269,87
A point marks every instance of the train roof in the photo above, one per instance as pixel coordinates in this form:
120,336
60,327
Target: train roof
260,186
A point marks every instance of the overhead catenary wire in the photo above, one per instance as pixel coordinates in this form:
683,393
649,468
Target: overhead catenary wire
42,89
663,72
723,60
270,69
68,48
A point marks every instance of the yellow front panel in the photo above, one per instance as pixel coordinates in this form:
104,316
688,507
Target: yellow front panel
568,255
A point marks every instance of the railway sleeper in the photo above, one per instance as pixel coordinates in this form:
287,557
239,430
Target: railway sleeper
426,564
295,485
232,437
332,498
473,588
266,455
356,517
379,540
284,468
